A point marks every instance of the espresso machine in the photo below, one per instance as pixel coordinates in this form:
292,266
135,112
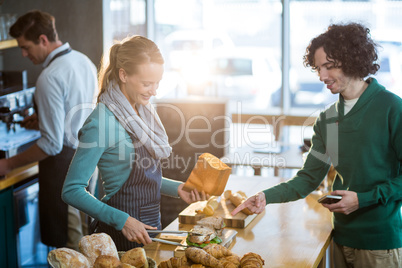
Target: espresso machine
16,102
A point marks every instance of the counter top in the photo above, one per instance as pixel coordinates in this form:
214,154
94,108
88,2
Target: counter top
19,174
294,234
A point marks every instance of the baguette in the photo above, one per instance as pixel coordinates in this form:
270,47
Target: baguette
236,199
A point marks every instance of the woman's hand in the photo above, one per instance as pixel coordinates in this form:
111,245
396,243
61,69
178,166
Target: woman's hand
193,196
255,204
135,231
346,205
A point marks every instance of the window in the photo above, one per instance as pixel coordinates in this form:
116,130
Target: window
233,48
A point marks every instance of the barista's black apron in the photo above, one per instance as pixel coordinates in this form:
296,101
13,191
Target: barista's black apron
139,197
53,212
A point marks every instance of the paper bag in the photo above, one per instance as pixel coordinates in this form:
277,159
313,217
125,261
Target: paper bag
210,175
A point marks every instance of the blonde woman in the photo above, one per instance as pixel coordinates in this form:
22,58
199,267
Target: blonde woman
125,139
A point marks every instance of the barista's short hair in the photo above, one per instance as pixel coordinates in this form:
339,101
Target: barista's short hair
33,24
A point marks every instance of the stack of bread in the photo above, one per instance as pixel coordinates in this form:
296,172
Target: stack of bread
213,255
98,251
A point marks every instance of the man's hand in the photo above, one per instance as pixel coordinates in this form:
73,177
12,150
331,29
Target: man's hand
255,204
193,196
31,122
346,205
135,231
4,167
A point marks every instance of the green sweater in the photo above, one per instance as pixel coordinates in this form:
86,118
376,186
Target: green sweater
103,142
365,147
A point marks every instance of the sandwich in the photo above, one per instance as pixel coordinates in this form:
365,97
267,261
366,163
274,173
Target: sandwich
206,232
215,222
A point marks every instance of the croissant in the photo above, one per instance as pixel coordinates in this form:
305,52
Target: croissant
228,264
200,256
251,260
218,251
235,259
175,262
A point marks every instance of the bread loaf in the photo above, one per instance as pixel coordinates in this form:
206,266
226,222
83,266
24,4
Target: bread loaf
236,199
66,258
105,261
135,257
95,245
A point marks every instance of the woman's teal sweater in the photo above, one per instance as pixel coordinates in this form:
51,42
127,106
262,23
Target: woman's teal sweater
365,147
106,144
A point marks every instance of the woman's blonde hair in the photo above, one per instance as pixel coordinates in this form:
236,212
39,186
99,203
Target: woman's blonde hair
127,55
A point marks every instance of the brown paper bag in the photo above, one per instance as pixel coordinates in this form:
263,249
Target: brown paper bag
210,175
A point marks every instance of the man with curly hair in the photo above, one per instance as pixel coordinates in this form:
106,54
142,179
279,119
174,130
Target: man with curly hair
361,136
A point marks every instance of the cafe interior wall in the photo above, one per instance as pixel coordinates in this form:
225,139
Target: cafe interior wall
77,22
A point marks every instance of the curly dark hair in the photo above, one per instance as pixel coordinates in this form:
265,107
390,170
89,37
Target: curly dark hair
350,47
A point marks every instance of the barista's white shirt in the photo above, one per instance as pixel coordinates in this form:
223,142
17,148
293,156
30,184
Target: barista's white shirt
64,95
349,104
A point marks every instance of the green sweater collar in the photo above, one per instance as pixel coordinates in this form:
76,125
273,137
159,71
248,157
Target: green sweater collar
373,88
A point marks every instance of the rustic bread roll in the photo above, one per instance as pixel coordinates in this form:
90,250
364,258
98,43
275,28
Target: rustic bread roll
106,261
94,245
125,265
66,257
135,257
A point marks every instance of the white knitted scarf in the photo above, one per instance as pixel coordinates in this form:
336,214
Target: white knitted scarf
146,127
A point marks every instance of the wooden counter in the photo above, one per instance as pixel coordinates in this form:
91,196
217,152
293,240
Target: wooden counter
19,174
295,234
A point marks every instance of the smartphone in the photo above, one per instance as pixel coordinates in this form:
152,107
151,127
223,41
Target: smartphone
330,199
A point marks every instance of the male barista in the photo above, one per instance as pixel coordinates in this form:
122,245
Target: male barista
64,95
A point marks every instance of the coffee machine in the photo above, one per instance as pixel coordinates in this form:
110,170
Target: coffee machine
16,102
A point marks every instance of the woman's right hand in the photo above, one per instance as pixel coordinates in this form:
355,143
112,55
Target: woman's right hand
135,231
